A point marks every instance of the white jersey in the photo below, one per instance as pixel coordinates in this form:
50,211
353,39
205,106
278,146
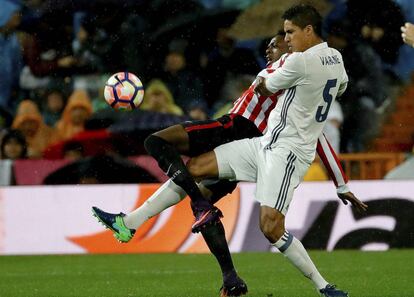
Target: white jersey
311,80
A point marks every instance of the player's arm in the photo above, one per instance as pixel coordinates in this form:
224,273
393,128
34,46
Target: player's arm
336,172
343,85
290,74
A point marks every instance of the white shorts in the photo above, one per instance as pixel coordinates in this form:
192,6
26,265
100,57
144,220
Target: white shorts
277,172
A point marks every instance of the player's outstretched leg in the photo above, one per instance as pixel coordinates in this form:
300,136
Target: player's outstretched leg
165,146
115,223
167,195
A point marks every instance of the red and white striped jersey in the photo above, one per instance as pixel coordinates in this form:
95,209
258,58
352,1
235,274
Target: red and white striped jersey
257,109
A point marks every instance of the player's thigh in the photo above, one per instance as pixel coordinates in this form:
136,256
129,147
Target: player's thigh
237,160
203,166
279,174
177,136
206,135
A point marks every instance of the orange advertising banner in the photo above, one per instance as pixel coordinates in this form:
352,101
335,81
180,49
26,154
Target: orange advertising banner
171,235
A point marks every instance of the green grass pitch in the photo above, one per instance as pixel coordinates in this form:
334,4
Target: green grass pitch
363,274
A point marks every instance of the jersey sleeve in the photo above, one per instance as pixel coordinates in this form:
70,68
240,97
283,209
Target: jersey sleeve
290,74
332,164
343,84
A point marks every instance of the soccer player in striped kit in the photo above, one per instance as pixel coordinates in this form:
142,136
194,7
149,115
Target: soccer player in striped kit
247,119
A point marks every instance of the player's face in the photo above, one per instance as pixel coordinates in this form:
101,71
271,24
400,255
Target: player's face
296,37
275,49
271,51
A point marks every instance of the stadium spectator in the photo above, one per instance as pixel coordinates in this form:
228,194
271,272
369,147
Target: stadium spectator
29,121
13,146
198,111
407,34
53,107
75,114
224,62
185,85
92,47
159,98
10,54
47,53
378,27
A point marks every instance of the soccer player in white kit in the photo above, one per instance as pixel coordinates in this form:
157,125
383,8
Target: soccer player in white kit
312,76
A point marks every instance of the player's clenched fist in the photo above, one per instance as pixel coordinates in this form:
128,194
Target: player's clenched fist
260,87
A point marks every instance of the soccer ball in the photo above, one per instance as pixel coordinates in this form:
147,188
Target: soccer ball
124,90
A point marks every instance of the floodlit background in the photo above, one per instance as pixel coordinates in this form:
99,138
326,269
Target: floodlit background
60,141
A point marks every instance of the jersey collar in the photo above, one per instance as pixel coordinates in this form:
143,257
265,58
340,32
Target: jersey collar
317,47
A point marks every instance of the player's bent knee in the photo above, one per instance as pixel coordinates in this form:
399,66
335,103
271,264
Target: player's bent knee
150,143
175,135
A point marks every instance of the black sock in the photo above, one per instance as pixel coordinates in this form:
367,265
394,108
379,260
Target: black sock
169,160
214,236
219,188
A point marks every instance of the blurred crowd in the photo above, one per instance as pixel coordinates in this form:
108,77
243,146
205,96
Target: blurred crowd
56,55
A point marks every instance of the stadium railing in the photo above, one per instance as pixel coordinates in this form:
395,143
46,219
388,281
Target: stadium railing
370,165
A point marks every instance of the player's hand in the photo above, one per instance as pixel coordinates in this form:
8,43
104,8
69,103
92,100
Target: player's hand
260,87
349,196
407,33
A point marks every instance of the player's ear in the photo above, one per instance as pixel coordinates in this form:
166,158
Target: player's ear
308,29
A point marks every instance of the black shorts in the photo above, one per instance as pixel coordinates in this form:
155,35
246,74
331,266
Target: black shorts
204,136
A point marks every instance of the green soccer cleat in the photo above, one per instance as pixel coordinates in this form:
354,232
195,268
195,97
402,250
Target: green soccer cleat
115,223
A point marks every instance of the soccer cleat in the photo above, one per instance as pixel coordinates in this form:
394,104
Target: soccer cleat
332,291
233,287
115,223
205,217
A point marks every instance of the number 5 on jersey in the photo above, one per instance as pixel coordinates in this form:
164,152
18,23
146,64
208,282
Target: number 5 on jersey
321,114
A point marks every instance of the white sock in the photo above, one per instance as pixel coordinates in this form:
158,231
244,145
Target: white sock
297,255
167,195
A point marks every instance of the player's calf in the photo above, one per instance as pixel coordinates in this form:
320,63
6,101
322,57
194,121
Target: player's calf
272,223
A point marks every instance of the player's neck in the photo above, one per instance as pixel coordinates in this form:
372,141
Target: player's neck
314,41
